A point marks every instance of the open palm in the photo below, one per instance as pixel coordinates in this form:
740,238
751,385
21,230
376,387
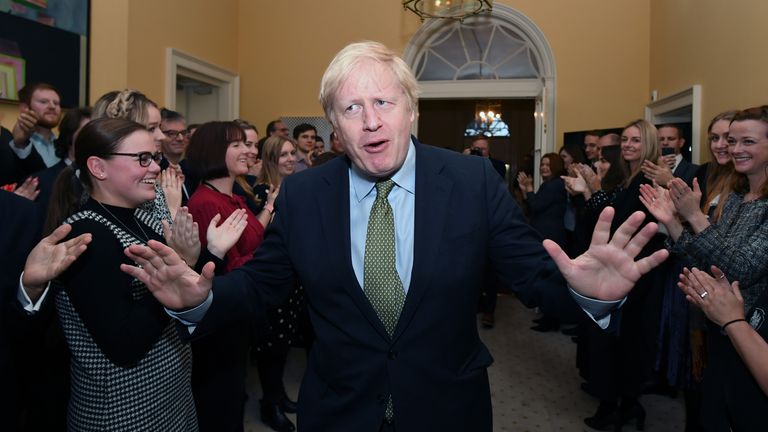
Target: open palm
608,270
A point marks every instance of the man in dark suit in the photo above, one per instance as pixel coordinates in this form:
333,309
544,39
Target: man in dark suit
672,164
406,237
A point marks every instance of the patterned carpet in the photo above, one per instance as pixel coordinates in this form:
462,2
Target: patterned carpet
534,381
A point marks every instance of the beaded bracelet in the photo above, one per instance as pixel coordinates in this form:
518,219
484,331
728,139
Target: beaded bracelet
722,329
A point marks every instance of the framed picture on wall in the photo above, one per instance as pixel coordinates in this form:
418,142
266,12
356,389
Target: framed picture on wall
45,41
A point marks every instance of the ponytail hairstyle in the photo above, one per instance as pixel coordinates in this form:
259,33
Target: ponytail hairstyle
126,104
74,185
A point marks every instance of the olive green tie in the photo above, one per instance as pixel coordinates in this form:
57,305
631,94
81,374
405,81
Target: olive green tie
381,283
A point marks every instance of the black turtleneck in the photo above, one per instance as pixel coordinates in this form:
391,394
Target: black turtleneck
124,327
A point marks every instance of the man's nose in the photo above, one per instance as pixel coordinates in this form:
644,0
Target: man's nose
371,119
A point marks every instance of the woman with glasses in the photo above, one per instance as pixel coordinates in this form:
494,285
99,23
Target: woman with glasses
129,369
135,106
737,243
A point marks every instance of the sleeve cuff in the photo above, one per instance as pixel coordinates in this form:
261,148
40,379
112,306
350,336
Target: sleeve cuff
22,153
192,317
598,310
26,302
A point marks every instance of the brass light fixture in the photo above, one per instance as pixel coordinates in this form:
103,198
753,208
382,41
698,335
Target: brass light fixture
448,9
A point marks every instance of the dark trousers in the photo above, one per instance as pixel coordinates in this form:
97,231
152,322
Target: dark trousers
387,427
271,365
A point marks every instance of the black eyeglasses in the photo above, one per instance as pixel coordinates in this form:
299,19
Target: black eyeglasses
174,133
145,158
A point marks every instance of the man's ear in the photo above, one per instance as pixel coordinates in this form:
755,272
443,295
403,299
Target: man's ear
97,167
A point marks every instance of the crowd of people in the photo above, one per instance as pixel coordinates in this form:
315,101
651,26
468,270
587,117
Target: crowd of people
150,259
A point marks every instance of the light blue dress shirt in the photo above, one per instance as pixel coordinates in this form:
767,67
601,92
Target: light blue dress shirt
45,149
402,198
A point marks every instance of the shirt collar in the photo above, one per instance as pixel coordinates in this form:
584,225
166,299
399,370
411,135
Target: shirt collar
405,177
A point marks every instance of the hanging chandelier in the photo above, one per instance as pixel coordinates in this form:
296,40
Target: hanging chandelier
448,9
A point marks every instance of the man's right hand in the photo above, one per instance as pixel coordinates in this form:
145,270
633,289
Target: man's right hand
24,127
171,281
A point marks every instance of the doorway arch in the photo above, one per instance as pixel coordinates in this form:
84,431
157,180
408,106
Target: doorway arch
499,55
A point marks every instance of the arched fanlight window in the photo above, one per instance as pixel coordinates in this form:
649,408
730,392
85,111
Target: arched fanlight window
477,50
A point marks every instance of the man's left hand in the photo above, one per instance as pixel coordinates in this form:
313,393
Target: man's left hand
608,270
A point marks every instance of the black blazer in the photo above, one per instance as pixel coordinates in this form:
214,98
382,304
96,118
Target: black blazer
686,171
13,169
435,364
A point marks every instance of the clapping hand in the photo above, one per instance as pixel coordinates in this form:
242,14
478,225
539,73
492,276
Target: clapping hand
720,301
183,236
576,185
49,258
592,179
171,183
658,202
660,173
525,182
608,270
167,276
25,125
222,237
686,201
28,189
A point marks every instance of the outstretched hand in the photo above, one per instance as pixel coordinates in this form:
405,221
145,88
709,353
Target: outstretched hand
167,276
608,270
50,258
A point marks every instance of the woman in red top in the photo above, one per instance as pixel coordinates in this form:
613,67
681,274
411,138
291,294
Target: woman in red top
217,155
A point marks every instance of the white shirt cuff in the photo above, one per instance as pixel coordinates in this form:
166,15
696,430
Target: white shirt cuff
192,317
26,302
598,310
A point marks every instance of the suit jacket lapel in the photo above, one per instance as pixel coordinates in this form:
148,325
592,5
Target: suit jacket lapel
432,199
333,202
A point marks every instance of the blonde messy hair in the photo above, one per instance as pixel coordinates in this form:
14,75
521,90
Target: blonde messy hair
345,63
126,104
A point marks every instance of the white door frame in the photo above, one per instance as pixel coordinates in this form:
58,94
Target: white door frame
541,89
683,106
180,63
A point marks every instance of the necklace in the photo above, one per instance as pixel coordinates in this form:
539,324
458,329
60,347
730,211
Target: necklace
146,237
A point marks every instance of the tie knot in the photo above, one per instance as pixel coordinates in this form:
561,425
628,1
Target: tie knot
383,188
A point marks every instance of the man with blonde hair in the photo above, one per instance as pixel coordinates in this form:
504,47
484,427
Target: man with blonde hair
406,239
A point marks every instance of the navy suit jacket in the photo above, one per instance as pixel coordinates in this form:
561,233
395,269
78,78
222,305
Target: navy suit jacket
686,171
434,365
